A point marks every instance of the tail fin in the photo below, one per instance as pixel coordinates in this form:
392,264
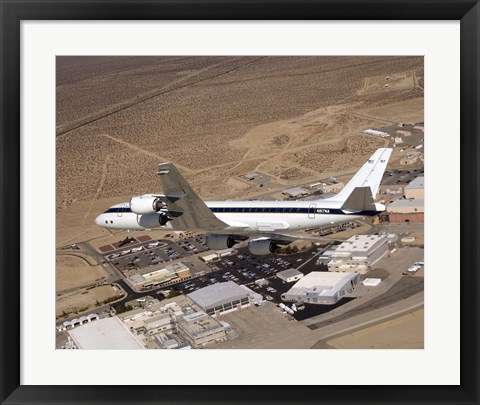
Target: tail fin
368,177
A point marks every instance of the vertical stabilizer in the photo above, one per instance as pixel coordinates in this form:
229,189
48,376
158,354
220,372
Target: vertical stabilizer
370,175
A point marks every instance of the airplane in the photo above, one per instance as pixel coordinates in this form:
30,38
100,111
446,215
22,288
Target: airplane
266,224
125,241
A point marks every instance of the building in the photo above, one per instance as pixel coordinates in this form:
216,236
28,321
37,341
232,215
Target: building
104,334
406,206
155,318
289,275
416,189
217,255
319,287
326,256
225,297
331,187
358,253
295,192
419,128
168,275
410,217
371,282
398,140
199,329
209,258
401,132
159,323
406,211
375,132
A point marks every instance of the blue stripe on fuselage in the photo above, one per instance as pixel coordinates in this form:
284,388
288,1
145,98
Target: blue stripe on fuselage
267,210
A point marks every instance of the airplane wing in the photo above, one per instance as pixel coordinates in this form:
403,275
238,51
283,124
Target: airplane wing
185,208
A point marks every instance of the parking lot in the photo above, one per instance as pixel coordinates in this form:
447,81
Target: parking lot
142,256
245,269
400,177
241,268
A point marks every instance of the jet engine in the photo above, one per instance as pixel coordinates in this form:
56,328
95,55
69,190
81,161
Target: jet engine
220,242
151,221
261,247
145,204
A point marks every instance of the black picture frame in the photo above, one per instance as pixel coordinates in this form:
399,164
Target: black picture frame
13,12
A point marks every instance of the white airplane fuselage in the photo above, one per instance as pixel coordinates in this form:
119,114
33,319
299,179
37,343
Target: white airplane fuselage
257,216
181,209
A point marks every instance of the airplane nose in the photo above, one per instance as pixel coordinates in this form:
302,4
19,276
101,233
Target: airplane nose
99,220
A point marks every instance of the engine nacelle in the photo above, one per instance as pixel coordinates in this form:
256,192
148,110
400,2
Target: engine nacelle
262,247
151,221
145,204
220,242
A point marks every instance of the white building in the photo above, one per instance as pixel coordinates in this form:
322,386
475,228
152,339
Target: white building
358,253
217,255
320,287
225,297
104,334
371,282
289,275
375,132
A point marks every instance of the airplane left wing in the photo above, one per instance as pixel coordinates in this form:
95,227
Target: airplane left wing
184,206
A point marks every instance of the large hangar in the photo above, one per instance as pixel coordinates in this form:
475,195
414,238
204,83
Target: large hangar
224,297
320,287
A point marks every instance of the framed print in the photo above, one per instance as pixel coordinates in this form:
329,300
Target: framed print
246,179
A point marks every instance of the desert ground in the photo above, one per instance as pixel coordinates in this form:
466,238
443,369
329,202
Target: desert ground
85,299
386,335
74,271
294,119
216,118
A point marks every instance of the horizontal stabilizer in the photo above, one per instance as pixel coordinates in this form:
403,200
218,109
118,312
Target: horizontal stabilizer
360,199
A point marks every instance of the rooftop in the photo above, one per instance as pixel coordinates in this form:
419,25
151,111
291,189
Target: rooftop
323,280
321,283
417,183
407,203
289,273
360,243
107,333
208,296
294,191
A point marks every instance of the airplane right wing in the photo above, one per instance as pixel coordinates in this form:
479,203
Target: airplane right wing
184,206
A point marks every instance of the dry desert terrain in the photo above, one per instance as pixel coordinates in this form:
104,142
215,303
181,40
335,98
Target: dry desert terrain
294,119
216,118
